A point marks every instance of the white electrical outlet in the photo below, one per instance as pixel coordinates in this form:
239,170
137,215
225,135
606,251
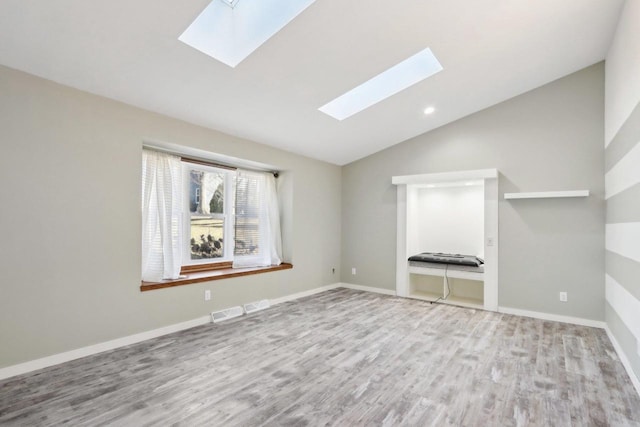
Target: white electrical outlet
353,271
207,295
563,296
490,241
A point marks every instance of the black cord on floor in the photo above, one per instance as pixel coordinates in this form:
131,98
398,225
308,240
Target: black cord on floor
446,281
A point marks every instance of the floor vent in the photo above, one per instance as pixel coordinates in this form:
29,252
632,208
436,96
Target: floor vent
226,314
256,306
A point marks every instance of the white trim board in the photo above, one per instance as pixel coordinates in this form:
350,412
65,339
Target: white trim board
433,178
56,359
367,289
303,294
553,317
623,358
325,288
67,356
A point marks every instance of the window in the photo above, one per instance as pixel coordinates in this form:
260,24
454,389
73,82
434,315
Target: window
412,70
210,221
226,209
230,30
198,217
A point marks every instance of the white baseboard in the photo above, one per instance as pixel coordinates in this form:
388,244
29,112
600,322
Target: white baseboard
582,322
367,289
553,317
623,358
329,287
303,294
56,359
67,356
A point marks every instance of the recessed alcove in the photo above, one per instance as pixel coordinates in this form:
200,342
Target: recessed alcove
453,212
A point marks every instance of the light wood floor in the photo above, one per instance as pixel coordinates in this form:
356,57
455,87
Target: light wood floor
342,357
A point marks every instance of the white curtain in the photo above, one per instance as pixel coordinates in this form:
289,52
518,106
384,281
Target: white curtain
161,216
258,241
275,236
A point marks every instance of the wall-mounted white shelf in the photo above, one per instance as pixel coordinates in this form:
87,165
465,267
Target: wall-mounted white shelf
547,194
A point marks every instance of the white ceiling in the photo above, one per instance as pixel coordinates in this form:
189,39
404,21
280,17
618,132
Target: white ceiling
491,50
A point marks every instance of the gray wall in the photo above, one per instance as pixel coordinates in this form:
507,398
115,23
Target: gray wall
547,139
622,124
70,221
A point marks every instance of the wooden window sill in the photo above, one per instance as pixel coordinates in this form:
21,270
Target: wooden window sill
208,275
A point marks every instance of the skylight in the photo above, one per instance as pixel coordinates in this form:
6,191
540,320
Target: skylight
399,77
230,30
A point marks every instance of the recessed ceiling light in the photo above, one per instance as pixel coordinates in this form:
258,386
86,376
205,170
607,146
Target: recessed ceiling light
230,30
399,77
429,110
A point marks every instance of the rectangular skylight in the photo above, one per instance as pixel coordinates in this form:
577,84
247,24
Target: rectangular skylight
399,77
230,30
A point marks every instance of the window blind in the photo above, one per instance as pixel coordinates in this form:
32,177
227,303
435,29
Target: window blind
250,214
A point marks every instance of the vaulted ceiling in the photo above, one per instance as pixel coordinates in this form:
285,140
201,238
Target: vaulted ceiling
491,50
